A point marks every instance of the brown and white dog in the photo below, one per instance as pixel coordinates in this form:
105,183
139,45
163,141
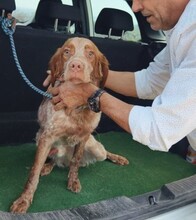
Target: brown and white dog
65,135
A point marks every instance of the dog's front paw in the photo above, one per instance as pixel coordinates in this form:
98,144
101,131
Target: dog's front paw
74,185
20,205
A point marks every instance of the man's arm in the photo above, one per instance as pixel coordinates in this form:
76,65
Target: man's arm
116,109
73,95
122,82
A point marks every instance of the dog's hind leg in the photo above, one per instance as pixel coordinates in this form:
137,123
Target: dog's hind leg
95,151
115,158
49,164
24,201
47,168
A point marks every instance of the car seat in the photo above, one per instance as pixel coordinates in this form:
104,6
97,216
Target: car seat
112,21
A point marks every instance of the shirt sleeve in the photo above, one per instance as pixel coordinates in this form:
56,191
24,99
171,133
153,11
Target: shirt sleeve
172,114
150,82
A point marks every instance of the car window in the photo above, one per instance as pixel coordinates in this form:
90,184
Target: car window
26,9
98,5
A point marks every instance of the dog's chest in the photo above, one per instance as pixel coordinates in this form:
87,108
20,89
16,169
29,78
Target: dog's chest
79,122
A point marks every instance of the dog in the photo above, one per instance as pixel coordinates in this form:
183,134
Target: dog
65,136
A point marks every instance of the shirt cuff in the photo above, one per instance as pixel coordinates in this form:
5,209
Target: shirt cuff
141,125
141,83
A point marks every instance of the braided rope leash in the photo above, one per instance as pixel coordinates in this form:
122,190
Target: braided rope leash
9,30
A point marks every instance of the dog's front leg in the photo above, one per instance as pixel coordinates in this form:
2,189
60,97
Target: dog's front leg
24,201
73,180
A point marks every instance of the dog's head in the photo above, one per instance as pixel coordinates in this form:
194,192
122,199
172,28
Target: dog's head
79,59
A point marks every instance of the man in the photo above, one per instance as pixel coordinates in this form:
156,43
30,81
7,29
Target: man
170,81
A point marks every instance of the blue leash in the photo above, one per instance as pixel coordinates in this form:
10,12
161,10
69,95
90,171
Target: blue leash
9,30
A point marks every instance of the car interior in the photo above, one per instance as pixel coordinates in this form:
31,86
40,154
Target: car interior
142,189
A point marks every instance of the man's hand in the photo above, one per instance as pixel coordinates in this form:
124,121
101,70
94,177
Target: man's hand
47,81
71,94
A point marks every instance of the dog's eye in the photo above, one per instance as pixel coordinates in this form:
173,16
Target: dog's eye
90,54
67,52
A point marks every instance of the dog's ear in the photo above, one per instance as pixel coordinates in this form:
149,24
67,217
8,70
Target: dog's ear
56,65
101,68
104,69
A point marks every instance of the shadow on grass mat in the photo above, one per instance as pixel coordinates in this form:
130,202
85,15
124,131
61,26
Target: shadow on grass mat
148,170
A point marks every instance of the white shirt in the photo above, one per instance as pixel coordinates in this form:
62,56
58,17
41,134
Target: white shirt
171,81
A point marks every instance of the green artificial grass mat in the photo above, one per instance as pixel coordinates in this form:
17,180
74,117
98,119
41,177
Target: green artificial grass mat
147,171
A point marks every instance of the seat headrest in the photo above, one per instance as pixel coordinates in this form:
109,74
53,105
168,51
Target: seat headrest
114,20
8,5
48,11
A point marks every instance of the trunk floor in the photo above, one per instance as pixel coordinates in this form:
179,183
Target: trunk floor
147,171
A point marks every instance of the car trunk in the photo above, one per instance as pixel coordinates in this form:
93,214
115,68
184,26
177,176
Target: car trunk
152,182
149,180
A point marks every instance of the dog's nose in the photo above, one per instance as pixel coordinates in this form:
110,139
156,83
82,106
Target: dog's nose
76,65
